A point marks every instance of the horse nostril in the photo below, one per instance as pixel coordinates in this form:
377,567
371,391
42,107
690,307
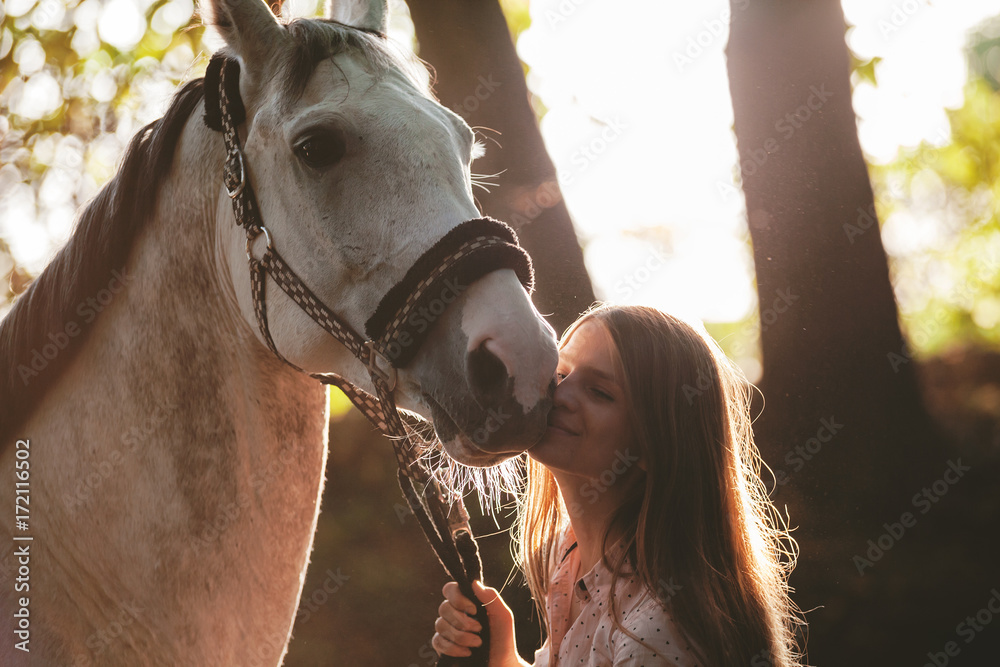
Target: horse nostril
487,376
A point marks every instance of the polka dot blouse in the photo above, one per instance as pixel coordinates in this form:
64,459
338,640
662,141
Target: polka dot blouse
591,639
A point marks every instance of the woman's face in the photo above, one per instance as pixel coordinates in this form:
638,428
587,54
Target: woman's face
589,434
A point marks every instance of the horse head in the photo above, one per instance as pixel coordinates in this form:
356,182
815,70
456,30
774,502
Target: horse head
358,171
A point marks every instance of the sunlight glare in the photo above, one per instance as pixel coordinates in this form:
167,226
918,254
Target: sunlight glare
638,134
39,97
122,25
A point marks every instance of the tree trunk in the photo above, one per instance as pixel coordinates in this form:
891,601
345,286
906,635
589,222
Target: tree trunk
480,77
843,427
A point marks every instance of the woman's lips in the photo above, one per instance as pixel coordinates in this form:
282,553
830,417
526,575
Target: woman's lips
556,426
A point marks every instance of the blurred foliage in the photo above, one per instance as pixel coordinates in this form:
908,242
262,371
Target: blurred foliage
941,219
518,15
77,80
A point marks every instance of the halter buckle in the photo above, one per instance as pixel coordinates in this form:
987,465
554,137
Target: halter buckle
387,376
235,192
251,237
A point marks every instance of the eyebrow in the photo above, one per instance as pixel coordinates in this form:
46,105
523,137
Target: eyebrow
599,373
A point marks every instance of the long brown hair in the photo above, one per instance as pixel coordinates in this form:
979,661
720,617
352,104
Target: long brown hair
700,530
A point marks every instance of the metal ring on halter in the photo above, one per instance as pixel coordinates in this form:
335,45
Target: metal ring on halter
233,194
253,237
389,376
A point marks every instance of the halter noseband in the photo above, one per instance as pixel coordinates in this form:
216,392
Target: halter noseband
463,255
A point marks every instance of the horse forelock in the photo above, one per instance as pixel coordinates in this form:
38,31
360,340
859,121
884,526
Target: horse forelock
319,39
43,331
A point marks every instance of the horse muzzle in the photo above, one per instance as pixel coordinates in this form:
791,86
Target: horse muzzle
486,382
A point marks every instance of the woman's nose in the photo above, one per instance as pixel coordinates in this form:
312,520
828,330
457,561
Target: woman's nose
565,396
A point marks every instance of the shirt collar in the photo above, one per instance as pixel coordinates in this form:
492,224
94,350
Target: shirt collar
596,583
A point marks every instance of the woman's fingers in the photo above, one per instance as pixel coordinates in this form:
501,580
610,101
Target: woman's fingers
458,619
455,628
453,594
456,635
447,647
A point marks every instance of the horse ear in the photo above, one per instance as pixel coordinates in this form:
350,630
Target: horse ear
366,14
250,29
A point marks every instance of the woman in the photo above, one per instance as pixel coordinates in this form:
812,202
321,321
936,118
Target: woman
646,535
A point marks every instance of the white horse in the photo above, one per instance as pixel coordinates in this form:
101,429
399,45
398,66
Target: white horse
174,464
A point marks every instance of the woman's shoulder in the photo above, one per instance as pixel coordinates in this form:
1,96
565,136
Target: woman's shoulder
651,637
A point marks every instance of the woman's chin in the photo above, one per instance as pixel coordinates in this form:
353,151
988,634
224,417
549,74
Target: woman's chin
550,450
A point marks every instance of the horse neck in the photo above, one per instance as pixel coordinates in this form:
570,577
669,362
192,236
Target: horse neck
172,414
174,342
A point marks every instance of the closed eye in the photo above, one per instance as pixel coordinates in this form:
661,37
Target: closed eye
601,394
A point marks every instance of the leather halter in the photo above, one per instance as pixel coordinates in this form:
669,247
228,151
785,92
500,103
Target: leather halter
464,254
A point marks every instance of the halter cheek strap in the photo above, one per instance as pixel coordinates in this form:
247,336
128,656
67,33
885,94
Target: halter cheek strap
395,332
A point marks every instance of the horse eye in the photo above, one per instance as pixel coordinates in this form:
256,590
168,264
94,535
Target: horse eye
321,150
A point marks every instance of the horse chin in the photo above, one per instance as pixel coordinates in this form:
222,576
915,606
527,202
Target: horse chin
481,449
464,451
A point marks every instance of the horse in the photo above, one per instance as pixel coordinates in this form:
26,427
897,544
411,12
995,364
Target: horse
171,466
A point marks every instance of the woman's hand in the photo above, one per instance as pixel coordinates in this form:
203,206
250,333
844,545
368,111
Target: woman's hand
457,628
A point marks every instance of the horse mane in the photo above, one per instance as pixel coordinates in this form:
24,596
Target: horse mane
99,245
105,232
